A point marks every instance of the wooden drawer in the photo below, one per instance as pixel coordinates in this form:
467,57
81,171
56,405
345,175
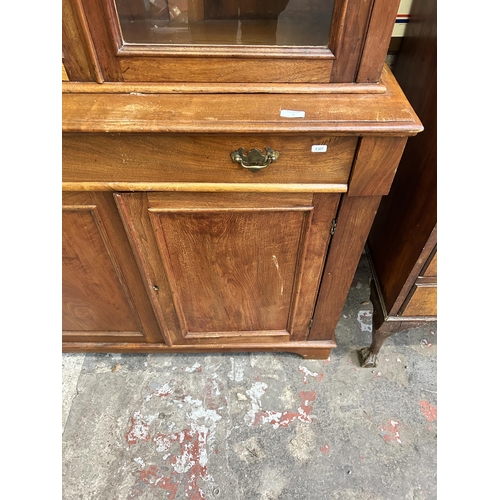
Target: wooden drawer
423,301
156,158
431,269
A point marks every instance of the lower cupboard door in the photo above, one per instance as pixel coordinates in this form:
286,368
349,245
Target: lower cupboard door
103,296
232,267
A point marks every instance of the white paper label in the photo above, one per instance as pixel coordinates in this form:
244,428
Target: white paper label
289,113
319,148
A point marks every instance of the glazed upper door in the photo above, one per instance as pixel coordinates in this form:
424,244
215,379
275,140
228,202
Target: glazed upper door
228,41
226,22
103,296
237,267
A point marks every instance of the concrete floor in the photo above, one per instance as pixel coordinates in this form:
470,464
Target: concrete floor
256,426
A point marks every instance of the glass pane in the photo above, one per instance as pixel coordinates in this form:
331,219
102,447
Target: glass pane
226,22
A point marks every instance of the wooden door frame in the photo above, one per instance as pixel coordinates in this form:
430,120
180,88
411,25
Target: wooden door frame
361,33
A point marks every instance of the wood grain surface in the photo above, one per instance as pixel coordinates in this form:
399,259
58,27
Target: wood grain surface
205,187
422,301
431,268
221,88
103,296
337,114
350,23
245,267
404,232
203,158
354,220
188,69
375,165
80,59
376,43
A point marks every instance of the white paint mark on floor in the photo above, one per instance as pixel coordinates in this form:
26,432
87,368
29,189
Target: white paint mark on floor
210,417
255,393
195,367
237,371
139,430
256,416
162,391
307,372
365,320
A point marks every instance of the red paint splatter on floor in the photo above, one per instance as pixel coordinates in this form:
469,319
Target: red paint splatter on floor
279,419
429,411
212,397
152,476
391,432
188,467
325,449
192,459
139,430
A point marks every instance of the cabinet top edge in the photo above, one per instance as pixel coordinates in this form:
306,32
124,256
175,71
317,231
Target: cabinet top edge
340,113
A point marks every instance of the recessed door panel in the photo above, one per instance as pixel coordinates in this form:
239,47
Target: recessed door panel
232,271
94,298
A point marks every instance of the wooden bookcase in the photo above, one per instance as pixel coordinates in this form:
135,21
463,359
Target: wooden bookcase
219,183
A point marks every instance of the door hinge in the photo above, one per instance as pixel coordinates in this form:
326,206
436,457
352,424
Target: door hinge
311,323
334,226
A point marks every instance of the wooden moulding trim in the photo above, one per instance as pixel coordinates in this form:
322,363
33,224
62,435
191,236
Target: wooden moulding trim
402,128
232,51
426,281
222,88
276,335
409,319
214,187
170,210
219,347
103,334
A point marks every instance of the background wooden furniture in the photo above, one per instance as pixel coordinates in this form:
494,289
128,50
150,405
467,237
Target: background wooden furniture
402,245
172,245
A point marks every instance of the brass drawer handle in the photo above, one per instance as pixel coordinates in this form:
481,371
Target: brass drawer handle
255,160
